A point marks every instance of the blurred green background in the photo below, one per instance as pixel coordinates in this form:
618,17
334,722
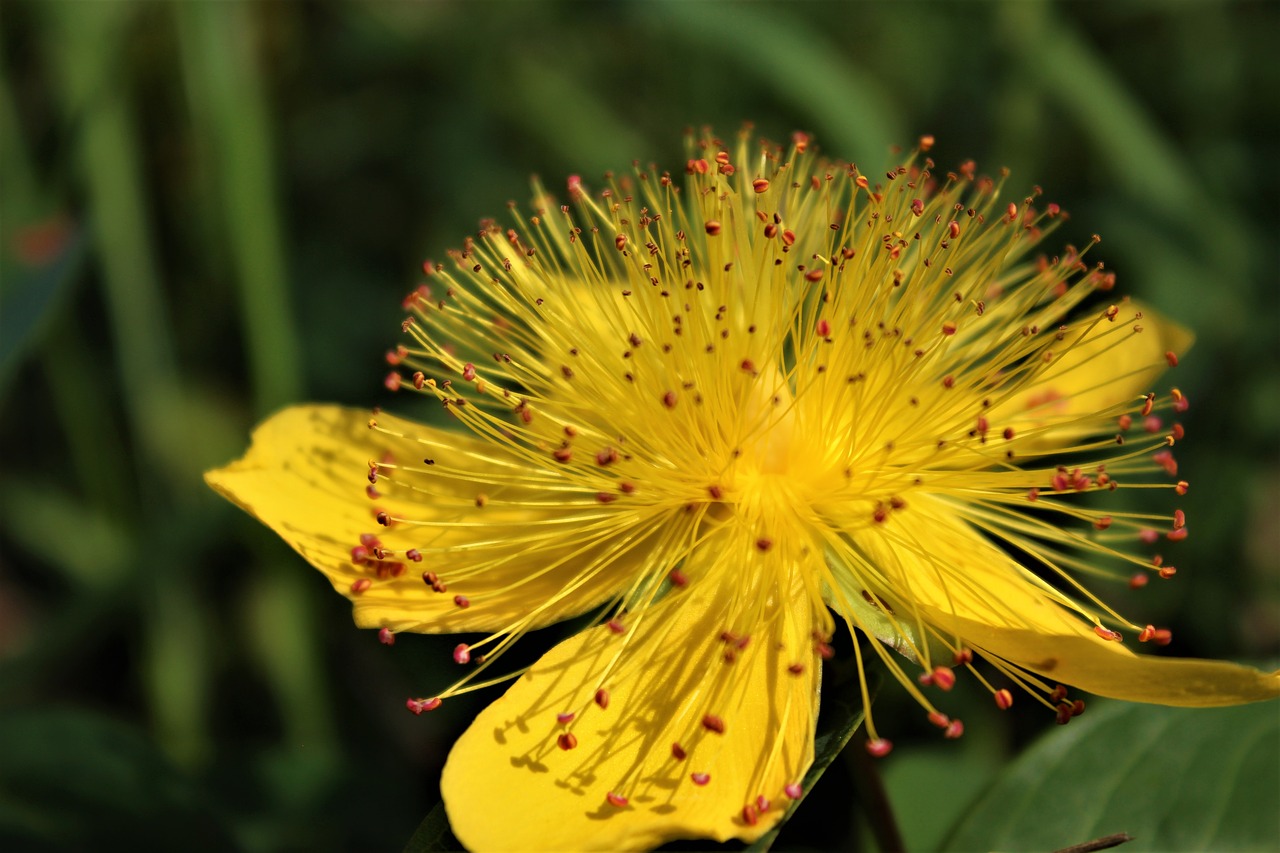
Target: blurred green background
211,209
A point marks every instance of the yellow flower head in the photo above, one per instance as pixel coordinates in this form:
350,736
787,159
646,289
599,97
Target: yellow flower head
728,411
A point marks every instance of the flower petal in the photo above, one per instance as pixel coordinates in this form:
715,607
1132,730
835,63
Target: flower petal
305,477
671,673
967,588
1111,364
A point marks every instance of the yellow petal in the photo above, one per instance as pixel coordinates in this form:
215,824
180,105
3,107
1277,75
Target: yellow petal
965,587
507,785
1112,364
305,477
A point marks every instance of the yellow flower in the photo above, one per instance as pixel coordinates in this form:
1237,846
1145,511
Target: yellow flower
727,412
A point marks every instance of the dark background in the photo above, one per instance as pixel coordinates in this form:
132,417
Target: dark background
210,210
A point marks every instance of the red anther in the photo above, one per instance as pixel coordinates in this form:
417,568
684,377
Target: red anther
788,237
605,497
939,719
1148,404
1064,713
392,381
606,456
677,752
386,637
1138,581
615,799
712,723
669,399
925,679
824,329
462,653
795,668
1033,494
468,372
762,803
879,747
1179,519
953,229
1102,523
677,578
749,815
813,276
1148,536
1180,401
962,657
1166,461
602,698
1107,633
626,488
1167,572
713,227
715,492
359,555
824,650
1052,209
1146,633
563,454
1176,535
1059,693
413,555
1060,482
700,778
1008,433
439,586
1011,212
1004,699
983,426
430,578
565,717
880,516
760,185
917,206
620,242
764,543
372,493
943,678
368,540
1177,432
1077,707
1162,637
948,328
955,730
383,518
1172,358
1152,424
567,741
417,706
575,186
462,601
359,585
794,791
948,382
616,626
419,379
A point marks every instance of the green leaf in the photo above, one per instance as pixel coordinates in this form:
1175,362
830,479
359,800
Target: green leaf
1173,778
31,295
74,780
433,834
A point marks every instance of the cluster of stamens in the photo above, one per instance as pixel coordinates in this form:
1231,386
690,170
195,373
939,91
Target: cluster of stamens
779,351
